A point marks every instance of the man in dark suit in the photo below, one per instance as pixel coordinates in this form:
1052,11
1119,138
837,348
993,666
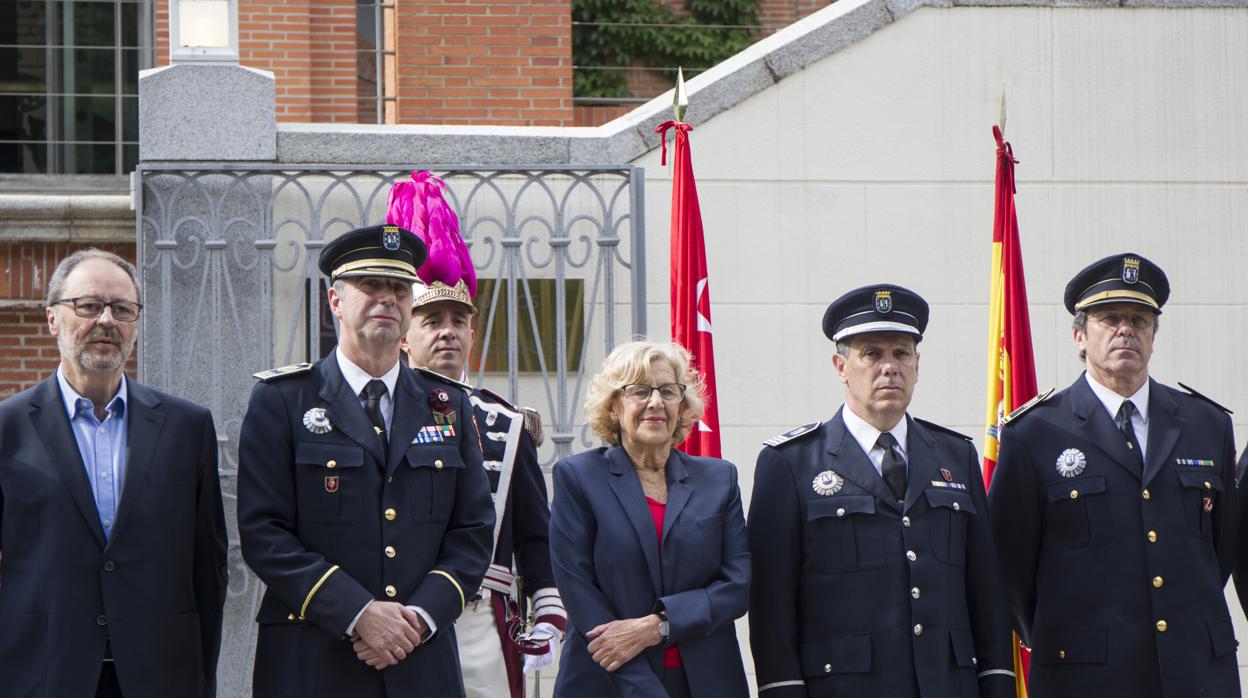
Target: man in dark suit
1115,512
362,503
113,571
875,572
495,651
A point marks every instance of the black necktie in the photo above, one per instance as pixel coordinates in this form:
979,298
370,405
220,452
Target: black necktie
892,468
1128,429
372,394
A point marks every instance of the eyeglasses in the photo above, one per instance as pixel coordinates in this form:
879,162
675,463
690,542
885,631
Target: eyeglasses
92,307
668,392
1139,321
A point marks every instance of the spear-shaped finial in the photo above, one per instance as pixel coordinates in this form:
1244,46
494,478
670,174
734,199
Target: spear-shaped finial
1001,120
680,101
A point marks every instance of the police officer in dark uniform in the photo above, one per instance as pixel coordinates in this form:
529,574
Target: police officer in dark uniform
496,646
874,569
1114,509
362,503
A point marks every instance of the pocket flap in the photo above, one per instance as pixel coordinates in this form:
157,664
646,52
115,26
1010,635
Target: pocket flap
1222,637
1199,478
1081,646
840,506
1076,487
437,456
950,499
321,454
963,647
841,654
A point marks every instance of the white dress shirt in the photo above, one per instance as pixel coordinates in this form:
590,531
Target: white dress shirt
1113,402
866,436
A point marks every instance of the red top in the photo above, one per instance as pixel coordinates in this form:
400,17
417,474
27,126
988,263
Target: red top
671,655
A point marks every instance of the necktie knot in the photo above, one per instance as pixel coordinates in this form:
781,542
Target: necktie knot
886,441
374,390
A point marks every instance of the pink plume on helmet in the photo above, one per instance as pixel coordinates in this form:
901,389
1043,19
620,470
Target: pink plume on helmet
420,206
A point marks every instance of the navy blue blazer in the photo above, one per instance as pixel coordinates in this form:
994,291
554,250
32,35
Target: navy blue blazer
608,567
1115,572
155,589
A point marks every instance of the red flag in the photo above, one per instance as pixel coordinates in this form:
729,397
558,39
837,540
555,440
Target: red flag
691,300
1011,366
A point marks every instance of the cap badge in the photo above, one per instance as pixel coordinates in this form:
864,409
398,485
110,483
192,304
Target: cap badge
1071,463
944,472
827,483
331,483
1130,269
390,237
317,421
883,301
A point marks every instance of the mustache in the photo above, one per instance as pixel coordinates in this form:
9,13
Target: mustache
98,332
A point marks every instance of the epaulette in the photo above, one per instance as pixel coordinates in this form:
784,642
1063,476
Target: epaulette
1202,397
1026,406
792,434
438,376
533,423
291,370
947,430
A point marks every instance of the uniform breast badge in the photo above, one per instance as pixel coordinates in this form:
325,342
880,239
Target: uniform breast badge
317,421
945,473
443,411
331,483
1071,463
1208,505
827,483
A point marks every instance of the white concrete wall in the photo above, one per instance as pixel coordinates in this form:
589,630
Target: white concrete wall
877,163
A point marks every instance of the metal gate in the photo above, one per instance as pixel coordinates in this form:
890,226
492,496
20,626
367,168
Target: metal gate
227,257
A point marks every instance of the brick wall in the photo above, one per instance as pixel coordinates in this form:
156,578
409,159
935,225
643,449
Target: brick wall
505,62
28,352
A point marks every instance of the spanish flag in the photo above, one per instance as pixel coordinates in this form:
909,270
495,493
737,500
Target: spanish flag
1011,366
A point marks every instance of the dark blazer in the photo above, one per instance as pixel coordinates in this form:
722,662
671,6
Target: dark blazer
855,595
157,587
328,526
608,567
1241,564
1095,561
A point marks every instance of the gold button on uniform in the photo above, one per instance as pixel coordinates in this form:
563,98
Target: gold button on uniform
391,591
331,464
390,551
438,464
1146,495
1074,494
1061,654
391,514
1207,485
1157,582
1152,536
290,616
1161,626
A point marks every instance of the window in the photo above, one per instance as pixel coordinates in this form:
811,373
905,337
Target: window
375,62
69,75
529,359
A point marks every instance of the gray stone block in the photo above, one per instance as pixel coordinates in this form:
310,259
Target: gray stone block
901,8
390,145
828,38
207,112
622,146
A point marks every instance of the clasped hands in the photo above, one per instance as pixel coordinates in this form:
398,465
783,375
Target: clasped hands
386,633
614,644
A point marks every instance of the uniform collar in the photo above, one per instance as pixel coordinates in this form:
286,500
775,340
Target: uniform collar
357,377
866,435
1113,401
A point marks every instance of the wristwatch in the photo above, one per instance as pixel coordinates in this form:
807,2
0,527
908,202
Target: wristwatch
665,628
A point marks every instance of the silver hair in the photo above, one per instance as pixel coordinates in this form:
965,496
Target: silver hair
56,284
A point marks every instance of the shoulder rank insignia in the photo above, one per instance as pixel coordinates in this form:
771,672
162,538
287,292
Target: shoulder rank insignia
1202,397
495,397
1023,408
792,434
533,423
439,377
947,430
291,370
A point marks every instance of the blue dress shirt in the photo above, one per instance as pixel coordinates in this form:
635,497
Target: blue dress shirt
102,445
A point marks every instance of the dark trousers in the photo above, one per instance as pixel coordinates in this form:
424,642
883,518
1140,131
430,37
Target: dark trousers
108,686
675,683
